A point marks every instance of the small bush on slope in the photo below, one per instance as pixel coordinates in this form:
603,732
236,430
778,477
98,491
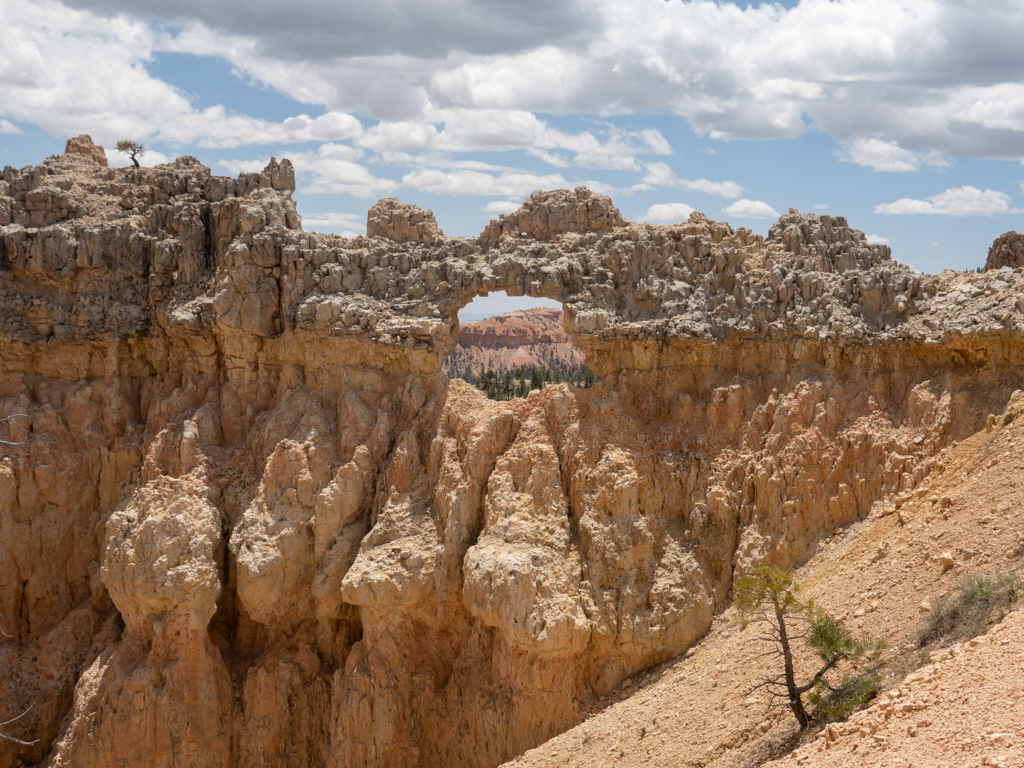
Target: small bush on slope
979,600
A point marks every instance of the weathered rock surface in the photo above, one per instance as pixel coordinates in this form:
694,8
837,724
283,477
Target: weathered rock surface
392,219
83,145
873,575
546,214
253,524
1007,251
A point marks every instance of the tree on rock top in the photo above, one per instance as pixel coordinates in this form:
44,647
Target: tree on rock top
770,596
131,148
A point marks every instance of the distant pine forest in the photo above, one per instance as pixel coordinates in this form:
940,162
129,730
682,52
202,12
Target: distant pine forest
505,385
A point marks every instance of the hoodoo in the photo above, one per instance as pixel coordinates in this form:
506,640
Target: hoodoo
246,520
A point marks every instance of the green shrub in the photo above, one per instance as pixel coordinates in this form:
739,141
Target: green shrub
852,693
979,600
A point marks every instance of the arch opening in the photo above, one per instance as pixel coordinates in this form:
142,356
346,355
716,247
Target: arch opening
510,346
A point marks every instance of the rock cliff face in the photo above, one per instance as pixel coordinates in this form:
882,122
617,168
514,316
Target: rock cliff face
1006,251
251,523
529,337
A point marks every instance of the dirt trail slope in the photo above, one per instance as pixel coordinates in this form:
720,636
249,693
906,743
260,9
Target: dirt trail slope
880,575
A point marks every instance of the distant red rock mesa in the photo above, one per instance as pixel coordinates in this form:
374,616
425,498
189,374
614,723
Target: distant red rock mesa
517,339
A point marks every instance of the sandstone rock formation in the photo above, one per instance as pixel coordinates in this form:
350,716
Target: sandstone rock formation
254,524
82,145
546,214
699,710
392,219
1007,251
529,337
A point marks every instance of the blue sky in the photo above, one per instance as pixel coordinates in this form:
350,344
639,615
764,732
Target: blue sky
904,116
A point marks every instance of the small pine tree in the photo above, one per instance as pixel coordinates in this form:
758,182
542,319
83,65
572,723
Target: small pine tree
770,596
131,148
534,378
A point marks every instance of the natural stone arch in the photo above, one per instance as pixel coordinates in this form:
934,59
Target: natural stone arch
515,338
544,216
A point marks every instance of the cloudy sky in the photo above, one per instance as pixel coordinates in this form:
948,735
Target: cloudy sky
905,116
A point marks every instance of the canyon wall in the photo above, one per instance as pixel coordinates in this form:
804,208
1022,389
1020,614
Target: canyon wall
245,520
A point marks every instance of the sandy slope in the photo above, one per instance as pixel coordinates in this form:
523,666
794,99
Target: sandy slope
964,709
879,574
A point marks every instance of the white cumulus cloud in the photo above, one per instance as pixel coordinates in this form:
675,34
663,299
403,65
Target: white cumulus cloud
489,130
668,212
888,156
72,72
885,77
961,201
880,155
878,240
898,84
501,206
661,175
750,209
248,165
336,168
151,158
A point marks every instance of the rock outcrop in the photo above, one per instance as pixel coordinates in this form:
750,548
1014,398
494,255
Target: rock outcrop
546,214
83,145
1007,251
402,223
253,524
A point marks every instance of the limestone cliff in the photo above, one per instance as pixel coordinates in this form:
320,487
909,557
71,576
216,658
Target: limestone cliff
251,523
